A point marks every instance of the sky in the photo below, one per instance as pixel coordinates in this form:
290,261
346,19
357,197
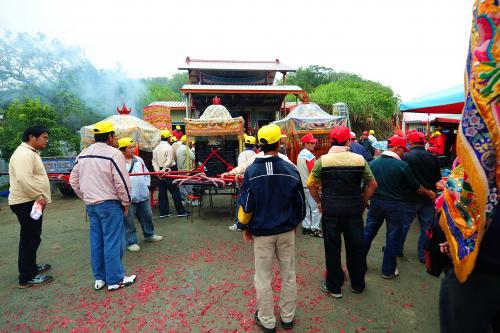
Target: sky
415,47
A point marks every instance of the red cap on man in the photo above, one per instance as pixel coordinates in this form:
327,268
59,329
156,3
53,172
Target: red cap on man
397,141
308,138
340,134
416,137
366,133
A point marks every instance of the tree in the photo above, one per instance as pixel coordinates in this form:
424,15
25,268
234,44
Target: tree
314,75
20,115
370,103
157,91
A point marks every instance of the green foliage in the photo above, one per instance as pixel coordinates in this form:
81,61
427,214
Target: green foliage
20,115
310,77
369,102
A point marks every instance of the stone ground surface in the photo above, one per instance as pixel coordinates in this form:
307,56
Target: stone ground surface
198,279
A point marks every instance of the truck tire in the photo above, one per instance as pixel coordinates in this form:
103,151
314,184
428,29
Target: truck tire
67,191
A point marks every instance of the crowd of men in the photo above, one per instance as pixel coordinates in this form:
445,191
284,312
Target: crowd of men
328,195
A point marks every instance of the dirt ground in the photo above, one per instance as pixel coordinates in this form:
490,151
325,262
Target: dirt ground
198,279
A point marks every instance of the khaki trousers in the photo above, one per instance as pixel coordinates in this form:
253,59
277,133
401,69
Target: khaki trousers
265,247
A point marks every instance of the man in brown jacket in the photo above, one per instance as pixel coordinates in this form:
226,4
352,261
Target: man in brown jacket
101,180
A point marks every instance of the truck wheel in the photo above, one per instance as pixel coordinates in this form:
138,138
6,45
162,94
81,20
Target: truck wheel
67,191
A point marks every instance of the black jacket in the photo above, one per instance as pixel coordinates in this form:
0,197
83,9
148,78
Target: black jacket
271,197
425,167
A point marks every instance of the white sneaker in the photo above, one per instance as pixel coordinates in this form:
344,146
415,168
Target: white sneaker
99,284
127,281
134,248
154,238
392,276
234,227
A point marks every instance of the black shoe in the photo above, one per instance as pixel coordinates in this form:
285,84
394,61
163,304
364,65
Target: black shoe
357,290
316,233
38,280
287,326
264,329
306,231
185,214
40,268
337,294
166,215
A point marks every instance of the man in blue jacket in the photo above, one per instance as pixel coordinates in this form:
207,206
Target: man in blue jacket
271,206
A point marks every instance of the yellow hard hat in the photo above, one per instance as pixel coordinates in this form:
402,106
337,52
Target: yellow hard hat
125,142
270,134
165,134
250,140
245,136
173,139
372,132
177,127
103,127
436,133
183,138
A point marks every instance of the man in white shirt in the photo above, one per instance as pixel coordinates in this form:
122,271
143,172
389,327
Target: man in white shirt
163,159
305,163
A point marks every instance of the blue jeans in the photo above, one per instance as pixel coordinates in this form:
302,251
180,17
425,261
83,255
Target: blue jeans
143,212
425,210
107,236
393,214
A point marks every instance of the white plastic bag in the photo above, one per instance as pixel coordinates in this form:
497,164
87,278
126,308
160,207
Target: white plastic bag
36,211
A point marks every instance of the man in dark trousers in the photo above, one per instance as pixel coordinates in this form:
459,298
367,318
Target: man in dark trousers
272,205
29,185
163,159
395,180
341,174
425,167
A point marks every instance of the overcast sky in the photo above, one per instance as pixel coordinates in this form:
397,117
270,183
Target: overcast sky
415,47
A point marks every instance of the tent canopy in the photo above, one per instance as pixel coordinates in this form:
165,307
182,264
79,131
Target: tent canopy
450,101
309,116
143,133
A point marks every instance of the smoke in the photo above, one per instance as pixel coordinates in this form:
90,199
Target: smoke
34,66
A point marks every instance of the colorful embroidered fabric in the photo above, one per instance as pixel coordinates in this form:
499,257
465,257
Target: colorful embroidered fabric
471,193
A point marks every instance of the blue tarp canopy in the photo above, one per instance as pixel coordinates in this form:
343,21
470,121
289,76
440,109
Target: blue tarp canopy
450,101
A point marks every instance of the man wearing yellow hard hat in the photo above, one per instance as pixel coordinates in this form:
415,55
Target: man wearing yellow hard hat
163,159
139,205
176,143
100,178
271,205
243,158
372,137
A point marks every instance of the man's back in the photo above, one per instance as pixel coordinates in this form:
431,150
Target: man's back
272,191
100,174
341,175
394,178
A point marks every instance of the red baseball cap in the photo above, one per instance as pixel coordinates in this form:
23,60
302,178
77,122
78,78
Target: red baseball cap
397,141
308,138
416,137
366,133
340,133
